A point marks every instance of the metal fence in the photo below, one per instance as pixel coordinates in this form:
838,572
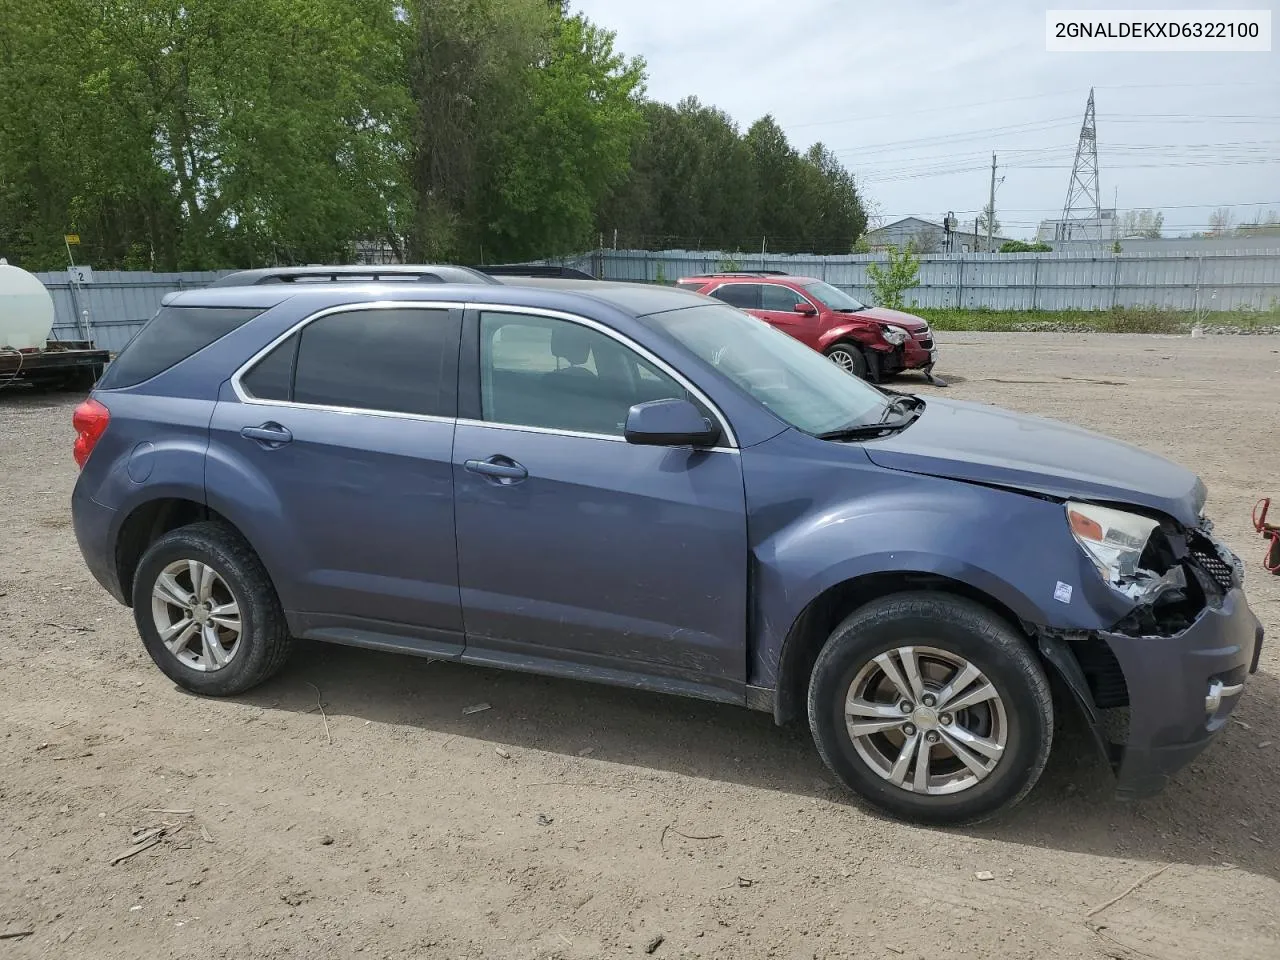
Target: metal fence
999,281
113,305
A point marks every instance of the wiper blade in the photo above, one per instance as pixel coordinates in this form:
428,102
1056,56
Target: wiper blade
897,404
862,430
900,402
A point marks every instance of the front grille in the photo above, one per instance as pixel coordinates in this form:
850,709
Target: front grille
1211,562
1102,671
927,343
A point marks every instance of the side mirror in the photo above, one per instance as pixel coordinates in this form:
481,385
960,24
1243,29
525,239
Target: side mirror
806,309
669,423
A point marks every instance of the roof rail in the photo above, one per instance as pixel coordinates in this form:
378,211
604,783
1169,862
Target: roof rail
534,270
748,273
355,273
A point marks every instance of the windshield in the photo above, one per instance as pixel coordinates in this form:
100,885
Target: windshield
798,384
833,297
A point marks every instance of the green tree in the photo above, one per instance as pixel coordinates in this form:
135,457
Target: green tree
691,182
696,181
566,143
1021,246
177,134
900,273
1148,224
840,215
525,120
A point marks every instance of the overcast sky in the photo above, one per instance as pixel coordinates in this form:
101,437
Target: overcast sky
914,96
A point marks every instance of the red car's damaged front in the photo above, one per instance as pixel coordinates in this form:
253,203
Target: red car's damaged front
871,342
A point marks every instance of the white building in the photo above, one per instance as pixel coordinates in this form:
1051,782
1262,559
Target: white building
1100,229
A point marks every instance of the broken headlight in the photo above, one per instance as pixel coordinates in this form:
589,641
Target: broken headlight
894,335
1115,541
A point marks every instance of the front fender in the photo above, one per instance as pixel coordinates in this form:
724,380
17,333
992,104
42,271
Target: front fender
861,520
861,332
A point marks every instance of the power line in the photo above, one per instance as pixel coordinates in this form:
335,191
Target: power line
1033,96
1152,206
977,134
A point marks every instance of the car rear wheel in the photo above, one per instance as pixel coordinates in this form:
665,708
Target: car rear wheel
931,708
207,611
850,359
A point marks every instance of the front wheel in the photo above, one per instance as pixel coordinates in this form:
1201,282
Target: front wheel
851,359
931,708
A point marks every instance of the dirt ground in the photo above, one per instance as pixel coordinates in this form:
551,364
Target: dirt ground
575,821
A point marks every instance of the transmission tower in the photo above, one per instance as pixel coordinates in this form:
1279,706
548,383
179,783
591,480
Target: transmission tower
1082,213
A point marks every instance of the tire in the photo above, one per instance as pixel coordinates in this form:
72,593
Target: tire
849,358
941,629
250,655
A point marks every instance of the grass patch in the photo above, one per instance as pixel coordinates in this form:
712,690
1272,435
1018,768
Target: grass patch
1099,321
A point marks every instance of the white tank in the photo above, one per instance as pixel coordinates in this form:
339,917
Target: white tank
26,309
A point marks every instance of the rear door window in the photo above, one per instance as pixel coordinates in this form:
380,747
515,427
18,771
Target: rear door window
744,296
394,361
171,336
272,377
390,361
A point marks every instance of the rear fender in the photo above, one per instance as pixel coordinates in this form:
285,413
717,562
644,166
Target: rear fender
240,493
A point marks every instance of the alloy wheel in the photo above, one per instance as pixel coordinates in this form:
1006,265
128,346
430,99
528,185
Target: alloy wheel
926,720
196,615
844,359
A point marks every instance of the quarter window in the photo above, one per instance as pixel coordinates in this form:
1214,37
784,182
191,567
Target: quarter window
559,375
172,335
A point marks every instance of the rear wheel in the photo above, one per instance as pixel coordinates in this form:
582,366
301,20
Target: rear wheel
931,708
207,611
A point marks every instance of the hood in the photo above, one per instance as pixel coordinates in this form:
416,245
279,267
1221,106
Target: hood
906,321
984,444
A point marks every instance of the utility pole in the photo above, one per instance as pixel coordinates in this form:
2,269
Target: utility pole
991,204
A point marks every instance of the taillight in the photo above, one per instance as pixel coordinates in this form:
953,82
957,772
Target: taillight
90,420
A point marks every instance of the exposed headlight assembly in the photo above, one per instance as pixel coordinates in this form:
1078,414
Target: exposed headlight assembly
894,335
1115,540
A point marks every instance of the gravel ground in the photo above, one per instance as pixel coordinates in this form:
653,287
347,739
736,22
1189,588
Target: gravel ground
579,822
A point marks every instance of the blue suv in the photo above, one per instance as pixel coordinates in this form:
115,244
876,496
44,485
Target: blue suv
642,486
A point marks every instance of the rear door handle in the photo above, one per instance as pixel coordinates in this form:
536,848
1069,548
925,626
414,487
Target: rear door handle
499,467
269,434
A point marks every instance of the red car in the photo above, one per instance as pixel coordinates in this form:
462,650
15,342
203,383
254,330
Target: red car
870,342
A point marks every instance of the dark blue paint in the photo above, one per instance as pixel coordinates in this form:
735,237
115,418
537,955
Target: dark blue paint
665,567
971,441
634,553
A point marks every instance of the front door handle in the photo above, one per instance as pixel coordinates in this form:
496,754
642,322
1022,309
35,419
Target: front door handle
500,468
270,434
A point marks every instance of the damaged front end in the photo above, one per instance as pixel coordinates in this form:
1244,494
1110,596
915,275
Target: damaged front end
1148,562
1162,680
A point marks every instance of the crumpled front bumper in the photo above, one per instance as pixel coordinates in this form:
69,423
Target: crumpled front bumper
1181,690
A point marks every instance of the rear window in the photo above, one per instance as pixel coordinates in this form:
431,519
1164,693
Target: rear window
173,334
